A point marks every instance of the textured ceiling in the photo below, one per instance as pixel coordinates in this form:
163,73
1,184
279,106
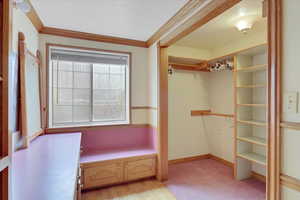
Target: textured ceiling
133,19
221,30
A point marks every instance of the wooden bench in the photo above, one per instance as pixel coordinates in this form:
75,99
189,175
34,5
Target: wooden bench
102,168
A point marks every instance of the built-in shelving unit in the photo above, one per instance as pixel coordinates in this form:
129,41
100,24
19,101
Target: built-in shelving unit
253,157
251,108
253,68
252,122
253,140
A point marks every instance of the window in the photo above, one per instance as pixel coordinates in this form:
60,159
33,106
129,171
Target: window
88,88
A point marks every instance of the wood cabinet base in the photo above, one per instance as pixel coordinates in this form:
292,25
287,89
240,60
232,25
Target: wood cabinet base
105,173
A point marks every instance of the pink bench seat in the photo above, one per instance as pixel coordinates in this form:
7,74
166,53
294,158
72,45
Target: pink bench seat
117,142
104,155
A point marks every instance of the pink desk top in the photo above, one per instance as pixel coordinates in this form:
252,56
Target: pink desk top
47,170
102,155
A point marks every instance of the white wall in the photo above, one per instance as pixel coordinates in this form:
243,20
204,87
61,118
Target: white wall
187,91
153,84
220,129
290,83
139,69
189,52
20,24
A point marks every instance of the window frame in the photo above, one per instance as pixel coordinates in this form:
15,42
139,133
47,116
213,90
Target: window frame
48,85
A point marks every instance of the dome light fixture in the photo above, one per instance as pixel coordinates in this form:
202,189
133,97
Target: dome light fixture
243,26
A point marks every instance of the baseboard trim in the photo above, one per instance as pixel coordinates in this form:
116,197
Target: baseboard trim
254,175
225,162
188,159
258,176
201,157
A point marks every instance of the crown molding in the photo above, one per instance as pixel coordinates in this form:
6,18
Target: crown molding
34,18
38,24
190,7
211,10
92,37
187,9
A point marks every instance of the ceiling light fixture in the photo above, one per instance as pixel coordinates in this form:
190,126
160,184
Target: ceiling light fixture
23,5
243,26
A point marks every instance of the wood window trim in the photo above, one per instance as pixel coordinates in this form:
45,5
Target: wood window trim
45,84
93,128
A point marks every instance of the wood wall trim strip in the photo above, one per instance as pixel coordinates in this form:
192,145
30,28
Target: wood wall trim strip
189,159
223,161
200,112
188,8
208,112
274,98
34,18
91,128
258,177
204,15
290,182
290,125
201,157
143,108
92,37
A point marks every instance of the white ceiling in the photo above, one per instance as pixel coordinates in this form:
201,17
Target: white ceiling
221,30
132,19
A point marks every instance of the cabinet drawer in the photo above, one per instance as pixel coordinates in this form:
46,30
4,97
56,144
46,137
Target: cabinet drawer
142,168
103,174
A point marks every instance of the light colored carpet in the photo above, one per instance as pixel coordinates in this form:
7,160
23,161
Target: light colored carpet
211,180
142,190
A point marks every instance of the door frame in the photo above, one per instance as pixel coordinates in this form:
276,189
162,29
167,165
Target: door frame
6,44
274,64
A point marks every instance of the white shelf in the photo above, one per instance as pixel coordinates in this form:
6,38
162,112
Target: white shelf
253,122
253,140
253,68
254,157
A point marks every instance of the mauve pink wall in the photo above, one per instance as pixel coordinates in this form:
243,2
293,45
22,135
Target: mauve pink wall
119,137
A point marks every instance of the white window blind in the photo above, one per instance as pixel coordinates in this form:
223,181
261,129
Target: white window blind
88,87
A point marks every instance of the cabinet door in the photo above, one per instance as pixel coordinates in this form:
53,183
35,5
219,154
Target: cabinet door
102,174
141,168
